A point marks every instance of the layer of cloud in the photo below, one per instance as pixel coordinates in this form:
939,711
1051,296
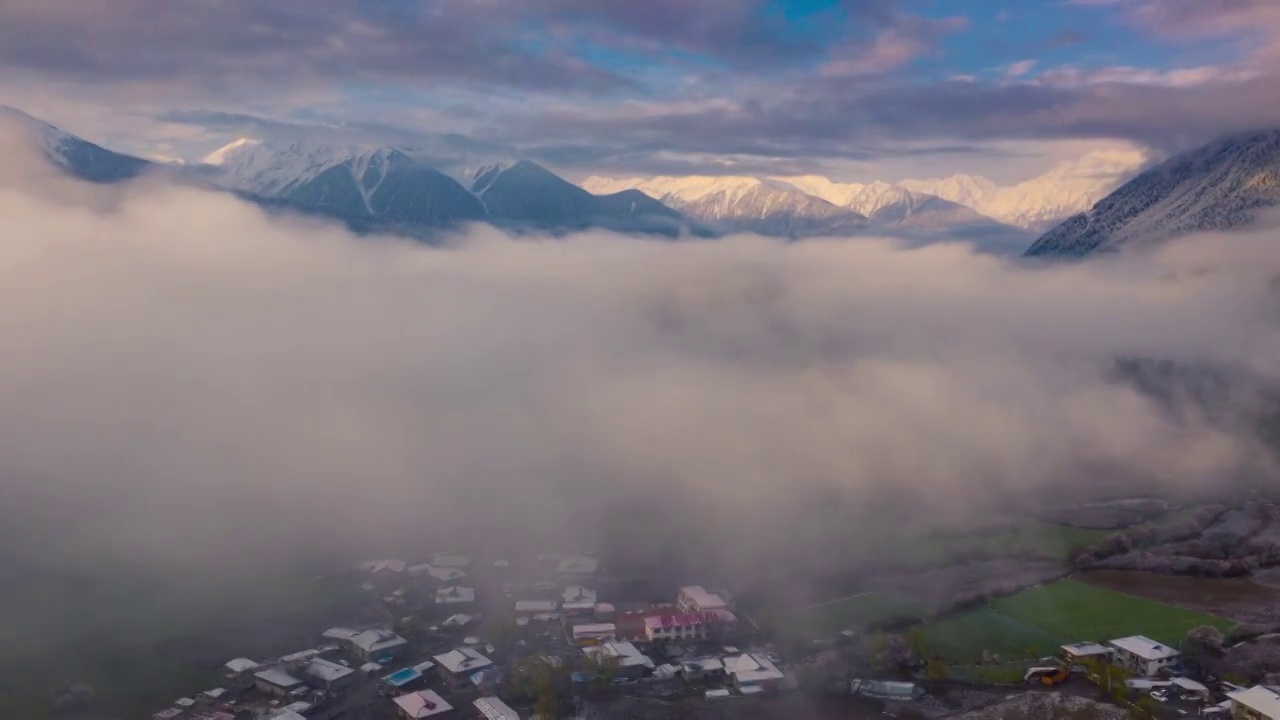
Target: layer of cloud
181,375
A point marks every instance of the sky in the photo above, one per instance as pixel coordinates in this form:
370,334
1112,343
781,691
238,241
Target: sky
852,89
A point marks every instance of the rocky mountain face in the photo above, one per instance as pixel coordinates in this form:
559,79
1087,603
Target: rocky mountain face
80,158
527,195
1216,187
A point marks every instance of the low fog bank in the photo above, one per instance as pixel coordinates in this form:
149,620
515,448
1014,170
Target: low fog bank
184,378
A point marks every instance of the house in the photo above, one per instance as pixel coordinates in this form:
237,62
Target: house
1256,703
456,621
443,574
1143,656
688,626
329,675
752,669
276,681
457,666
421,704
240,665
630,661
379,644
693,598
455,595
492,708
532,607
578,600
579,594
296,657
593,633
1077,652
340,633
577,565
702,669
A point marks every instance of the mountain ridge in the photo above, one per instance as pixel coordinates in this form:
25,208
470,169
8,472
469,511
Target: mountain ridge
1217,186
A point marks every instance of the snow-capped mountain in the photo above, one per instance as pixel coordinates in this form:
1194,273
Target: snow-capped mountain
79,157
1068,188
365,187
525,194
808,205
1215,187
741,203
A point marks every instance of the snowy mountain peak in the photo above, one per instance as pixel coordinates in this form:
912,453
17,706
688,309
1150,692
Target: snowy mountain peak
1066,188
272,170
219,156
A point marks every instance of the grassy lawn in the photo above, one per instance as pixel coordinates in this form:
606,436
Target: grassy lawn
1077,611
1035,621
962,638
852,613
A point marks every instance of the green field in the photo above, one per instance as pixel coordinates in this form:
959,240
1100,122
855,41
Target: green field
963,637
851,613
1030,540
1036,621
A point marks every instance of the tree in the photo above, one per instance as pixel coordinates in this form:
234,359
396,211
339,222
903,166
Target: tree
535,678
602,668
890,652
935,669
1205,638
915,638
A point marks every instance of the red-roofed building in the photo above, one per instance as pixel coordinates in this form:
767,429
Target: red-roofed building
689,626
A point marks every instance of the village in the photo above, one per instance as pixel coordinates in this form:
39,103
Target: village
556,637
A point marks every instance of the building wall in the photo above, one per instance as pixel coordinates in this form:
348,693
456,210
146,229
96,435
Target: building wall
1241,712
267,687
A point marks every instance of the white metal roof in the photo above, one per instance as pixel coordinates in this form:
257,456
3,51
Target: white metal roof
326,670
594,629
423,703
463,660
370,667
705,600
714,694
300,655
457,620
375,640
1258,699
535,605
1085,649
1145,648
424,666
579,594
494,709
752,667
626,653
1189,684
750,689
241,665
340,633
278,677
455,594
